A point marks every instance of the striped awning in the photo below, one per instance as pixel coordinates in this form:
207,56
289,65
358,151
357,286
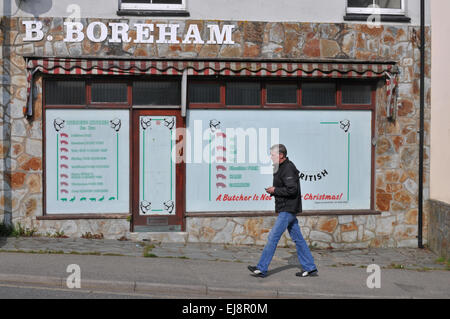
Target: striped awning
205,68
152,67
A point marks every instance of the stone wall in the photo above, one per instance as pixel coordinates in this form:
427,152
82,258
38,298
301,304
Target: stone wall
396,158
324,232
439,228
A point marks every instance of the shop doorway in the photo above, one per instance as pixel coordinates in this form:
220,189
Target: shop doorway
158,171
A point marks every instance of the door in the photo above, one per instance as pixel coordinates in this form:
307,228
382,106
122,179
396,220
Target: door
159,171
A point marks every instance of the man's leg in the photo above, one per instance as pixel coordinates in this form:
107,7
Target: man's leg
303,253
274,237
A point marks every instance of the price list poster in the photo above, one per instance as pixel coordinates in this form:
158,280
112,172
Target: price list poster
87,161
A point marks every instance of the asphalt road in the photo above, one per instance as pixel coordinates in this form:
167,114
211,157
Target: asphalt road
29,292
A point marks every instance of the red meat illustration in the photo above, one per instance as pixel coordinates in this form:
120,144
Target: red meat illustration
65,191
63,176
221,176
63,166
221,134
221,185
64,142
221,159
221,148
64,184
221,168
64,135
63,157
63,149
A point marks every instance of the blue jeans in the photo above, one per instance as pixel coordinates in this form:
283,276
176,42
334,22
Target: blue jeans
287,221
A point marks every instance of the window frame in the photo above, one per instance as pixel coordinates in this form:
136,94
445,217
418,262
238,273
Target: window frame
355,105
268,105
152,6
157,78
200,105
367,10
91,103
222,105
287,106
60,78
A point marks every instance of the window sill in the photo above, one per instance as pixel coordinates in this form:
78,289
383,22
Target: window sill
383,17
82,216
153,13
271,213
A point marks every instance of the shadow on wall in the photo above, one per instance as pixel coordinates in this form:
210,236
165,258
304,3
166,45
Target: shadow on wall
34,7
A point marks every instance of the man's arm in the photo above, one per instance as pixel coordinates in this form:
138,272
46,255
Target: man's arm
290,187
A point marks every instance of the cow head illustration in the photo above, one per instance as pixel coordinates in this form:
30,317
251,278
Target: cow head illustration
169,206
345,125
58,124
146,122
214,125
170,122
116,124
145,207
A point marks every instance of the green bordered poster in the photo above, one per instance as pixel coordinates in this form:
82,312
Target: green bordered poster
87,161
229,166
157,165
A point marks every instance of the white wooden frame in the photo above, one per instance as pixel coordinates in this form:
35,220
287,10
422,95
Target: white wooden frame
151,6
401,11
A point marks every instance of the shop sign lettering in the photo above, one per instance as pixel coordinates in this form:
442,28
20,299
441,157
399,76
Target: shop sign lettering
118,32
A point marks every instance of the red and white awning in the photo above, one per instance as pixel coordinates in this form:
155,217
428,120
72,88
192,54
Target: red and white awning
207,68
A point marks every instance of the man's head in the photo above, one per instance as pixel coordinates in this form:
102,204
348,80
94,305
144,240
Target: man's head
278,153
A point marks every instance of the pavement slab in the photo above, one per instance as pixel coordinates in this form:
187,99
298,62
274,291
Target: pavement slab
212,271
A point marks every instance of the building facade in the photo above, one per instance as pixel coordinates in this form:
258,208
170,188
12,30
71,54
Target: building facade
440,134
154,120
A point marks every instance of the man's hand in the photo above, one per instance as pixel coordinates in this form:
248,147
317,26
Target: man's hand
270,190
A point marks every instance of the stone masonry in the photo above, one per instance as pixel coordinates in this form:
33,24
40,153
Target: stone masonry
397,152
439,234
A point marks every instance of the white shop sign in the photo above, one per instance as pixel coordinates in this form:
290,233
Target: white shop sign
87,161
117,32
331,149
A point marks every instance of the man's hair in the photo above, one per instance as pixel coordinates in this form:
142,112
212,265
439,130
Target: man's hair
280,148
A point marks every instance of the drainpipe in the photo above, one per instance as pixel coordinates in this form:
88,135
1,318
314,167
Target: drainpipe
421,129
6,129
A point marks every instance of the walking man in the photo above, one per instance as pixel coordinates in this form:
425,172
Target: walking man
288,202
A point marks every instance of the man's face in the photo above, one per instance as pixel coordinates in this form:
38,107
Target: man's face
276,157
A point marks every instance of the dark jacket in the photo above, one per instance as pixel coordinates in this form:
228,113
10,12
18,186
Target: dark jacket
287,188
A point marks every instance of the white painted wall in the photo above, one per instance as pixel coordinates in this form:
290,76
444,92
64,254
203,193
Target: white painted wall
238,10
440,102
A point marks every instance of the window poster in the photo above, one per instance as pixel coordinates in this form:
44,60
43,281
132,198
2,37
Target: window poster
156,165
228,164
87,161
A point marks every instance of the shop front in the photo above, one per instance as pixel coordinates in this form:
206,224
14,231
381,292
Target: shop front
162,131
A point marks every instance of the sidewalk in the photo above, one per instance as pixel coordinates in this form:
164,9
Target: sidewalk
211,271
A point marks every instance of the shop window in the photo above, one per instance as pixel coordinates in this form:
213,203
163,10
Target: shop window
109,92
383,10
318,94
65,92
281,93
156,93
243,93
153,4
153,7
356,94
376,6
204,92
